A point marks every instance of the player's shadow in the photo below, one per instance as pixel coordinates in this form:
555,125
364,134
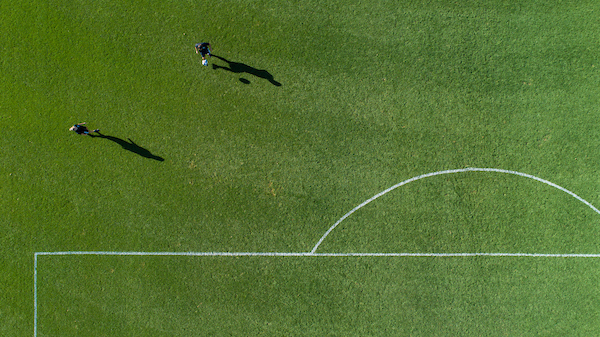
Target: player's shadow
130,146
236,67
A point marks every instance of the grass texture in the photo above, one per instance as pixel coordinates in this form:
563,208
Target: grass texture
311,108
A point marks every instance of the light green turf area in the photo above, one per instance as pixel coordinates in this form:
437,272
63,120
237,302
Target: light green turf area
370,94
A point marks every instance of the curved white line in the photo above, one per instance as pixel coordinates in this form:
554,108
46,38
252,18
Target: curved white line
468,169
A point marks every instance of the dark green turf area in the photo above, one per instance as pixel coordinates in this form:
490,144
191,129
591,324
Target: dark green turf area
325,104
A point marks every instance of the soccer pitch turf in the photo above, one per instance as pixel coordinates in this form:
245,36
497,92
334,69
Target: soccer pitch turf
340,168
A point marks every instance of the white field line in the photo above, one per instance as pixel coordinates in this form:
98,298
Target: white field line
305,254
469,169
35,301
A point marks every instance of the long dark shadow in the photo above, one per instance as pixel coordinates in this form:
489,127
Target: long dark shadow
130,146
236,67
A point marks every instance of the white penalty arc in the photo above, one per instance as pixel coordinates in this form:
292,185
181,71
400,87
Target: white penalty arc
469,169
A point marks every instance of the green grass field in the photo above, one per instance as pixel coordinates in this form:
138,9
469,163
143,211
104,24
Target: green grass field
325,104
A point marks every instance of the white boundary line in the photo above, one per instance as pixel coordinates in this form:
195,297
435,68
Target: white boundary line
312,252
305,254
35,309
468,169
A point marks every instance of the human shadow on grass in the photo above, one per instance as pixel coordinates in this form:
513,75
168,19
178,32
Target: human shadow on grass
236,67
130,146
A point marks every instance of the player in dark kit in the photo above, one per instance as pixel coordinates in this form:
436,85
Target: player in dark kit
81,129
203,48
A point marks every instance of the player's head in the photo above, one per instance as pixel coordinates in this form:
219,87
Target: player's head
72,128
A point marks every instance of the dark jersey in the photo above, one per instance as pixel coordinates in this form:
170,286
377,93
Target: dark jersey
80,129
203,48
